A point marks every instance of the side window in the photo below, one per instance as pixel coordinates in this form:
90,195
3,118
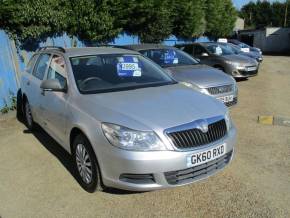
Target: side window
188,49
57,69
198,50
31,63
41,66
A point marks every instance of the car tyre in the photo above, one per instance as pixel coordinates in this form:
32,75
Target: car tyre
86,165
28,116
19,106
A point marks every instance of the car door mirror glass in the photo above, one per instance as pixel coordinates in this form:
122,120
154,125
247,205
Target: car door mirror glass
53,85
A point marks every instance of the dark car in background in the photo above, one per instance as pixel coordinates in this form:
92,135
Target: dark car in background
187,70
245,47
223,57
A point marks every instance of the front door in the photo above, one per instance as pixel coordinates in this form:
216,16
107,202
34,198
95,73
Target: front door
54,104
32,84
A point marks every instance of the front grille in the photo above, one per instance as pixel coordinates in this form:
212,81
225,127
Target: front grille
232,103
195,173
195,137
220,89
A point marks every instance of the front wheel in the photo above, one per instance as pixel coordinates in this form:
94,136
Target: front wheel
28,116
86,165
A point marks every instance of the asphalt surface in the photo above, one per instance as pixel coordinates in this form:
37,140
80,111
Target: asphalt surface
36,178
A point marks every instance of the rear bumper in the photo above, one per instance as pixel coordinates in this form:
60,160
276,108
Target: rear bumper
157,168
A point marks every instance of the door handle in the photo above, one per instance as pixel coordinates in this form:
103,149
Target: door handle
28,83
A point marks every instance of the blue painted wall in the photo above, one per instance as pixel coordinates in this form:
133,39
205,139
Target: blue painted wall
8,82
12,61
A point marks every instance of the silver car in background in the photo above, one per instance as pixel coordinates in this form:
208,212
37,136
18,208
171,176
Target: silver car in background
187,70
254,55
222,56
126,123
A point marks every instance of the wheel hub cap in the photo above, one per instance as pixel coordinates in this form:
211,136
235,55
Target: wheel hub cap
84,164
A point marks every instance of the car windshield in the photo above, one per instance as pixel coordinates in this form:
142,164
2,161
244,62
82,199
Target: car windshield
169,57
236,49
243,45
220,49
116,72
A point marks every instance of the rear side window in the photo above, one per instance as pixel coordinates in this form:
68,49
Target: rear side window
198,50
188,49
31,63
41,66
57,69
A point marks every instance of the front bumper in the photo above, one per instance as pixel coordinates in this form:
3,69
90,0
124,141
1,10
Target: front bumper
154,167
244,73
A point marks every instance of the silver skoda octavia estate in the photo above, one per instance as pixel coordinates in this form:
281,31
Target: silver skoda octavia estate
126,123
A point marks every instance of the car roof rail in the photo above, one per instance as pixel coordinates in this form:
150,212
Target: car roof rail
51,47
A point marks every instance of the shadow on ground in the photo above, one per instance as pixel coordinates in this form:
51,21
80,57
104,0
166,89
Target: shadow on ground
64,157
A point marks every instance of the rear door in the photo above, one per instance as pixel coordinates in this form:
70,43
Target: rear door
33,90
54,104
27,74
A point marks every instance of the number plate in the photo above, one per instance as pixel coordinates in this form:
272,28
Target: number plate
209,155
226,99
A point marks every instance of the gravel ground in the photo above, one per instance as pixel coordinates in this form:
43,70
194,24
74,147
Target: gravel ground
36,179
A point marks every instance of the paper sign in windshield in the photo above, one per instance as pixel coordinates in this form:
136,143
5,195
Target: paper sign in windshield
170,57
128,66
218,50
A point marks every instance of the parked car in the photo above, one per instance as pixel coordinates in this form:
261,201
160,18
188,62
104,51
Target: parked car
245,47
183,68
222,56
254,55
126,123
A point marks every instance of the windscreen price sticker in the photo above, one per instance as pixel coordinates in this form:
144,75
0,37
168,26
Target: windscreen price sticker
129,69
129,66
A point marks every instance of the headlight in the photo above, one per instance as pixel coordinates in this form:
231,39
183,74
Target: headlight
195,87
235,87
236,65
228,120
129,139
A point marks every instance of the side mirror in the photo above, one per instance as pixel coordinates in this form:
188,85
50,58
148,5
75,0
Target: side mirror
204,54
53,85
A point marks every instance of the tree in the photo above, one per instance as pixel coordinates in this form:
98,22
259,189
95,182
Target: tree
33,21
263,14
150,20
91,20
278,10
188,18
26,20
248,13
220,18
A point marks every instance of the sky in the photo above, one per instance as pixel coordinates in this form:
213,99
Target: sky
240,3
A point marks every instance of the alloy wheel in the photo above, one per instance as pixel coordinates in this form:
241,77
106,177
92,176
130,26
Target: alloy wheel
84,164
